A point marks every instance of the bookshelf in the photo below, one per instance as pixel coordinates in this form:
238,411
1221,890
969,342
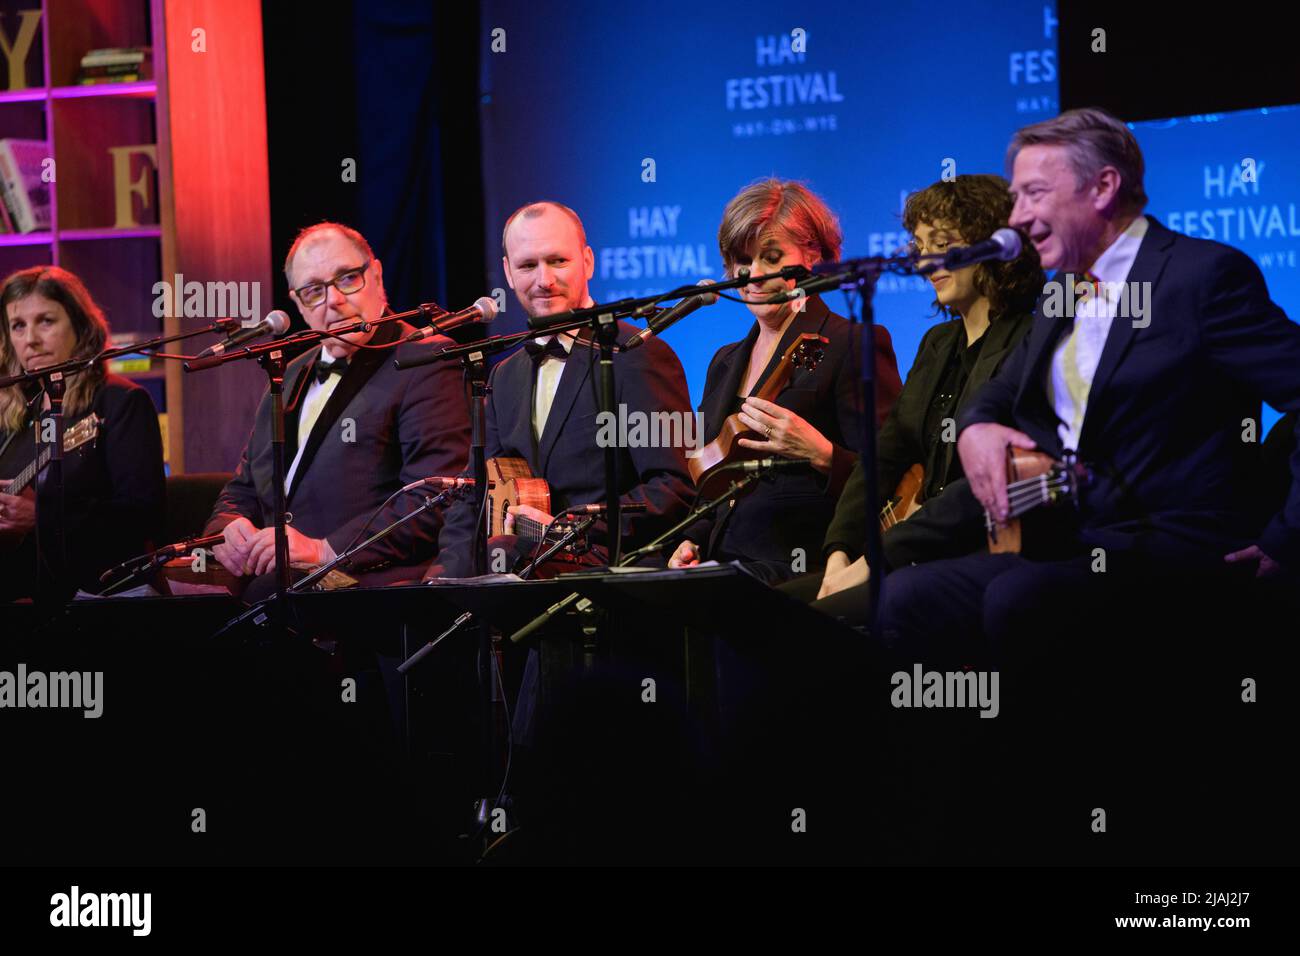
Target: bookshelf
204,212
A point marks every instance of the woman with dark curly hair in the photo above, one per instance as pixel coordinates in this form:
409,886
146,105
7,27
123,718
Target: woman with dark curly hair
113,488
989,308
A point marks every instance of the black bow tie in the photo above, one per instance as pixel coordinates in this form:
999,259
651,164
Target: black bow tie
325,370
553,348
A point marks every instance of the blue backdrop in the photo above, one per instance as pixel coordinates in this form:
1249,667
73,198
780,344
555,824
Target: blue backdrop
864,105
647,123
1234,178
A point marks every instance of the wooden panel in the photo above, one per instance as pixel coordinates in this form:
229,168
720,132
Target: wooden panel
216,206
120,274
84,131
22,120
13,258
84,25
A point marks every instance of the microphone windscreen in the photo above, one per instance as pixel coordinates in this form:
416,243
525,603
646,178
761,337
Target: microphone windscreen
1010,241
279,320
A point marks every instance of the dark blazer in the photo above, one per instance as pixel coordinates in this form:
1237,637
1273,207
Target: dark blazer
791,511
1163,427
380,430
114,493
901,443
648,379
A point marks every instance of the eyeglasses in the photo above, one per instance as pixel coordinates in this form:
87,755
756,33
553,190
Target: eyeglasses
354,280
937,247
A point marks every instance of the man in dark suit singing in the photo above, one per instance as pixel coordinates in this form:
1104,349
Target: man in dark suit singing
1149,353
356,429
543,404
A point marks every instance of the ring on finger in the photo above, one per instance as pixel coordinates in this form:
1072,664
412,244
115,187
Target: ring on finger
769,432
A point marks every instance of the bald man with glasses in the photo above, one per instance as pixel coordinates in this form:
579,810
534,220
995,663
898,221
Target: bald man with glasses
356,430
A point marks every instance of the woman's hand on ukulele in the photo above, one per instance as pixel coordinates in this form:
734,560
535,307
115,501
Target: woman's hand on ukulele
687,555
528,511
841,574
785,434
17,512
983,451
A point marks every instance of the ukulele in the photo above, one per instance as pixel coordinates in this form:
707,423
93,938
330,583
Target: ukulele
83,432
706,468
1033,480
511,481
906,500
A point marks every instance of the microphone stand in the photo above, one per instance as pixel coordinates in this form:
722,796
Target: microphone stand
733,490
49,569
302,585
476,371
873,548
605,331
151,562
430,501
571,534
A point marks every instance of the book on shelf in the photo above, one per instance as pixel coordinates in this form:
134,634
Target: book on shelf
118,65
162,427
132,363
114,56
22,186
120,69
117,78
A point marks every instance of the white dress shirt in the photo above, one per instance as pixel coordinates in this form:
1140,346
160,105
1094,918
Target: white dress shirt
548,382
313,403
1069,379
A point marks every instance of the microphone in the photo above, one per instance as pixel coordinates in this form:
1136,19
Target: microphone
672,316
437,481
805,288
770,465
275,323
484,310
163,553
1004,245
630,507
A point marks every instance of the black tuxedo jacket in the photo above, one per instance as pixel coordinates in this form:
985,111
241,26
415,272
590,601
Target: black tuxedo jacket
380,430
647,379
114,493
791,511
1164,422
901,443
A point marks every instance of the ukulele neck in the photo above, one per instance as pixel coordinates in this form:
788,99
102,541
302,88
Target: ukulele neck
533,532
28,474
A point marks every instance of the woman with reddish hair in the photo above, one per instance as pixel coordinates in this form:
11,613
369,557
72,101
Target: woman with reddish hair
777,529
